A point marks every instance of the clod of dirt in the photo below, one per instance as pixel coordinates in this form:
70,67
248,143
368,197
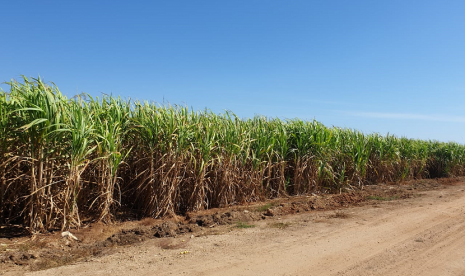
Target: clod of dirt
269,212
317,203
18,258
166,229
230,217
125,237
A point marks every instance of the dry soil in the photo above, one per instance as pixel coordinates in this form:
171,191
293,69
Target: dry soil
423,234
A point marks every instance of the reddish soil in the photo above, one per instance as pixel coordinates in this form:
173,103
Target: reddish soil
411,228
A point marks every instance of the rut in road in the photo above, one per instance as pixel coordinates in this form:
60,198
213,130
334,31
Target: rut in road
436,249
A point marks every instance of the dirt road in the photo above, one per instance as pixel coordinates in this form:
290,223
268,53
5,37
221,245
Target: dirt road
424,235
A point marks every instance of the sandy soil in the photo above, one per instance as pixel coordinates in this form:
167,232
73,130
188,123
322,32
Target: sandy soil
422,235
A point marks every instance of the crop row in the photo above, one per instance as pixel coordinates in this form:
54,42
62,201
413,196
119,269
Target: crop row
67,160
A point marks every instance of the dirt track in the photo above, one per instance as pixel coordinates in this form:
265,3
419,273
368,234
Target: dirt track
423,235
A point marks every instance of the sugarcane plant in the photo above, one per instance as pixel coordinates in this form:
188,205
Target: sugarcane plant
64,161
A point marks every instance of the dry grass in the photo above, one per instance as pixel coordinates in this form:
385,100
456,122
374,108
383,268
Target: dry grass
339,215
244,225
279,225
383,198
264,207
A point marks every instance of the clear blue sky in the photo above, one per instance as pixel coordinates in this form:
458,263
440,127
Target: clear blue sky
376,66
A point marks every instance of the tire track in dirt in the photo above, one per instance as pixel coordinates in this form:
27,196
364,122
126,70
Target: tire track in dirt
436,250
361,247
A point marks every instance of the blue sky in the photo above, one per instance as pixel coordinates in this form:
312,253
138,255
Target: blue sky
376,66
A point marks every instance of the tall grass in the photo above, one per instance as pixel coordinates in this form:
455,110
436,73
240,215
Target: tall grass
64,160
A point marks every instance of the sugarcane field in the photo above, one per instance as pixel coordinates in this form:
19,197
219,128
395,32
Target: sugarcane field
112,186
